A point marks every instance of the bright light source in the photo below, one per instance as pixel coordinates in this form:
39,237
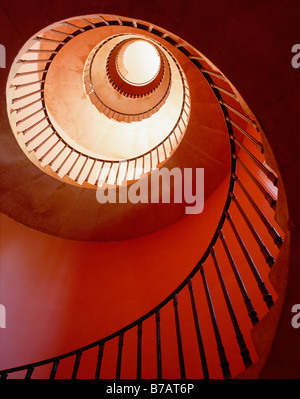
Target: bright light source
141,61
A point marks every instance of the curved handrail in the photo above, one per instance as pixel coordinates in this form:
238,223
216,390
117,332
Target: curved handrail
226,108
132,116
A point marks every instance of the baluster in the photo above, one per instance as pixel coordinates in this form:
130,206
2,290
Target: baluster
73,165
185,111
157,155
119,360
251,312
183,122
103,171
76,364
267,195
119,21
99,360
117,174
45,39
29,116
196,57
36,136
273,233
110,113
245,133
101,107
56,156
49,137
90,171
158,345
88,22
102,19
269,174
61,33
164,148
244,117
134,169
14,100
93,96
139,351
35,124
17,110
268,257
221,351
176,139
17,86
50,149
239,336
29,372
30,72
81,169
54,369
3,375
266,295
179,341
64,161
33,50
211,73
73,26
224,91
48,60
170,142
126,171
43,142
198,331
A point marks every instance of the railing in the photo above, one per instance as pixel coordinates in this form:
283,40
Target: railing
227,247
157,102
40,136
148,87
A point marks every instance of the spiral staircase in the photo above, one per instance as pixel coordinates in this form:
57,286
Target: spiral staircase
231,273
32,84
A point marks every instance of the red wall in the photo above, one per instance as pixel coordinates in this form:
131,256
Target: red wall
62,294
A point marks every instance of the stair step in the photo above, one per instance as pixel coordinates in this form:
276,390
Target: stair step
30,120
105,170
122,172
94,172
52,153
85,171
46,146
35,104
131,170
34,142
61,157
68,164
77,167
